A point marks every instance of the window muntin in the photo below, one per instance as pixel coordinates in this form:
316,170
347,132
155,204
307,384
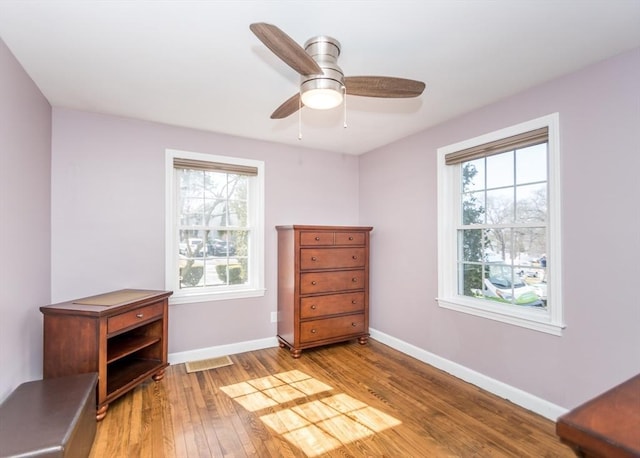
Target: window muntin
498,223
215,227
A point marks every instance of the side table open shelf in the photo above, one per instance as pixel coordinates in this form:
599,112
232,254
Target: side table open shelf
121,335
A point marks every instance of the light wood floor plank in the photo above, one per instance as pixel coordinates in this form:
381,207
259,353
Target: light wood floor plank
343,400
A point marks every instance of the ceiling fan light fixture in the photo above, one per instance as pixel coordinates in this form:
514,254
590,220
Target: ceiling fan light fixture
321,94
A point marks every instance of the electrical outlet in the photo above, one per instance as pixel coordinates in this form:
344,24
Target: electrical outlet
274,317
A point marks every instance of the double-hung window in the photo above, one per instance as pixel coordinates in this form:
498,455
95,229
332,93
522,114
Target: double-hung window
499,226
215,229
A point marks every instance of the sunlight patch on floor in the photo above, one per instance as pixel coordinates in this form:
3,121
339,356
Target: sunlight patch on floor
315,427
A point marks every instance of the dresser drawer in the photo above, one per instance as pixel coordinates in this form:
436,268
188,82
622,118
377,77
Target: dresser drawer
316,238
349,238
329,328
328,258
327,282
318,306
132,318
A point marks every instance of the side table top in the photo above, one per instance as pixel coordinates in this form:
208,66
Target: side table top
107,302
609,424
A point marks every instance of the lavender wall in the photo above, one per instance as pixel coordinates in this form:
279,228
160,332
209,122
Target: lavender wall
600,154
108,214
25,146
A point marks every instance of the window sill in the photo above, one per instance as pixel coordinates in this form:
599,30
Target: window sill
192,297
522,316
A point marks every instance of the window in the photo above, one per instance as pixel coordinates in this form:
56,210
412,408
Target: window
215,227
499,226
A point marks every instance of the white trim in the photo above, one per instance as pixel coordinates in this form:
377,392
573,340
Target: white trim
505,391
257,288
222,350
550,321
513,394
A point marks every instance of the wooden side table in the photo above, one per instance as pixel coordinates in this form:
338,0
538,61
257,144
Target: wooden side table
606,426
121,335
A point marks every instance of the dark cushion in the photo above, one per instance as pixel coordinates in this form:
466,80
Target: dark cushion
50,418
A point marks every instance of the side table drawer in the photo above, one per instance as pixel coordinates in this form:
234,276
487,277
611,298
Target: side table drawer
319,306
132,318
327,282
330,328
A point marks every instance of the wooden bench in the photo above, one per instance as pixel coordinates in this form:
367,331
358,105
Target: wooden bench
50,418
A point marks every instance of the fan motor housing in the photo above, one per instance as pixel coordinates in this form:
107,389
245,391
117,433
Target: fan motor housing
325,51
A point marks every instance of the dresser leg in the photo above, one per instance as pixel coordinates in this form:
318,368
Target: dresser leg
363,340
282,345
158,375
101,412
296,353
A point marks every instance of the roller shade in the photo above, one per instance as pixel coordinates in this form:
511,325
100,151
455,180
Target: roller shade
192,164
523,140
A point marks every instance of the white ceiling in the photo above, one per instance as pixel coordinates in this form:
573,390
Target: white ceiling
197,64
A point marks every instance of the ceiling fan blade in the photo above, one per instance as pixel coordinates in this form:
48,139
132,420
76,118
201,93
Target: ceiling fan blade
289,107
283,46
383,86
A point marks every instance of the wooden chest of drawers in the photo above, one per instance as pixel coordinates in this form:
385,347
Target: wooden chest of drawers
323,285
121,335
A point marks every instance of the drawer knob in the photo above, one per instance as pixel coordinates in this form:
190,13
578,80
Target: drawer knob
354,279
139,315
354,257
350,238
354,324
314,282
317,239
313,331
313,258
314,306
354,301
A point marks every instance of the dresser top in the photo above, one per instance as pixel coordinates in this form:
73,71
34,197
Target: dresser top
300,227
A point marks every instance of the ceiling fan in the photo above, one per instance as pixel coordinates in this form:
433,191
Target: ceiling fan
322,82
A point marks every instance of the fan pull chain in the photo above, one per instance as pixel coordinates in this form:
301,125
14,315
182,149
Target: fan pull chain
344,97
300,118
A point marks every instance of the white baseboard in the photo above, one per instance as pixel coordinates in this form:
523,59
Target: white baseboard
515,395
222,350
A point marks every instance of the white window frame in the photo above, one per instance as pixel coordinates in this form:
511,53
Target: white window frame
551,320
255,286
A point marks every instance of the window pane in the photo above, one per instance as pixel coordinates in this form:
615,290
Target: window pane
191,209
191,183
531,164
470,242
502,284
500,206
226,243
500,170
498,245
473,175
473,208
531,203
237,213
470,280
238,187
530,245
215,184
190,242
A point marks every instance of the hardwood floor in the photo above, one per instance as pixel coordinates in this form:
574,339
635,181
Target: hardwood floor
344,400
